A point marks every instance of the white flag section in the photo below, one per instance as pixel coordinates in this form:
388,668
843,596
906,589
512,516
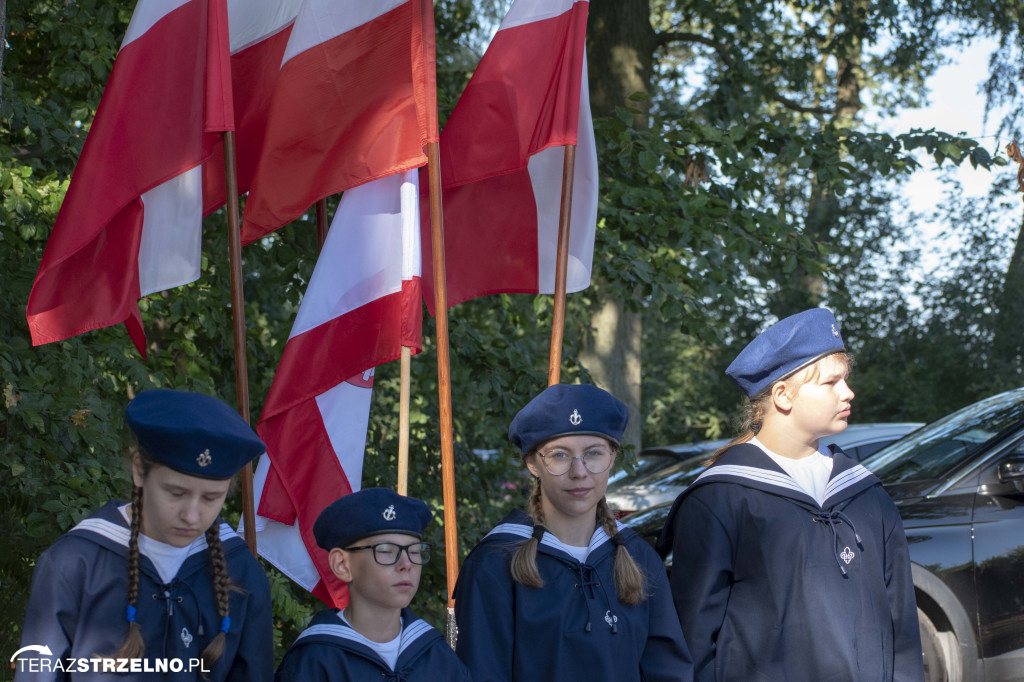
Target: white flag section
363,303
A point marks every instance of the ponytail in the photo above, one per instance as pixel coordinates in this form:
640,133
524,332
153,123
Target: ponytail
630,581
524,561
221,587
753,419
133,645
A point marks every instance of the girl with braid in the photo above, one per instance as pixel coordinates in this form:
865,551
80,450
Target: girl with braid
161,587
563,592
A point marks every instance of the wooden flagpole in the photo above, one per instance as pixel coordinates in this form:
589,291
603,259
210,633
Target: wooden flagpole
561,265
451,537
238,316
403,422
321,225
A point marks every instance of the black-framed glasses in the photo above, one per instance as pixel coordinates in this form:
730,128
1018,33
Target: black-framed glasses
595,460
388,553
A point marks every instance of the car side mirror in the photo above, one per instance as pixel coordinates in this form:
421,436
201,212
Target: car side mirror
1011,471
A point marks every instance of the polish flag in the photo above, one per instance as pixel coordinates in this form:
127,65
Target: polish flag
502,157
129,222
363,303
354,101
155,154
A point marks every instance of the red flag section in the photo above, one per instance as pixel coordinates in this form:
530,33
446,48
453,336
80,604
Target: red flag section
163,107
259,36
501,159
353,102
362,305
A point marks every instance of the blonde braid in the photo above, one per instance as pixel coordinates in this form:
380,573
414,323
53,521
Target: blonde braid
630,581
524,561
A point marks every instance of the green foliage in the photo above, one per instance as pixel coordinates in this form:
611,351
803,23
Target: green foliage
745,182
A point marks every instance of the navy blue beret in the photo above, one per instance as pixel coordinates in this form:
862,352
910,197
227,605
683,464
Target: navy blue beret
568,410
192,433
785,347
372,511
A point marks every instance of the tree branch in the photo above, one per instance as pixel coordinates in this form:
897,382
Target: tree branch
669,37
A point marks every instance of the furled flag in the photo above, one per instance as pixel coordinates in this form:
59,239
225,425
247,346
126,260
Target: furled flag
502,159
125,227
131,222
354,102
363,303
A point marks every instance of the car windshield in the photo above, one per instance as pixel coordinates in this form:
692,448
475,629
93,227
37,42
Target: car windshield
645,464
941,446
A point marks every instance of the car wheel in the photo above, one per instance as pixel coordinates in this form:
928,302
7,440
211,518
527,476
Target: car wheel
940,651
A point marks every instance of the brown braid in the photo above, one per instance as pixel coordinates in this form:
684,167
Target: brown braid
134,646
524,561
221,588
630,581
757,408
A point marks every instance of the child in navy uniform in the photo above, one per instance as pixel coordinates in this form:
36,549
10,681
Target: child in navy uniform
374,542
564,592
167,579
790,559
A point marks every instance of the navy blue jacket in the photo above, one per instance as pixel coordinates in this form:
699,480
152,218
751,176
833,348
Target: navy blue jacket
771,586
329,649
572,628
80,593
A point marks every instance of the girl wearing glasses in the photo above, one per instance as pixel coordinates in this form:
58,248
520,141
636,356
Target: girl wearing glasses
373,540
562,591
162,577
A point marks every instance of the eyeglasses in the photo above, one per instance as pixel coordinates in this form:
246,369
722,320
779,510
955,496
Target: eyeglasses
594,460
388,553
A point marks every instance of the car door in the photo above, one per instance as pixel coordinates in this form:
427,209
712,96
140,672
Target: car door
999,561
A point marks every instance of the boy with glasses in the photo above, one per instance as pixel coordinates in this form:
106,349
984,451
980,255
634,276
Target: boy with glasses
373,540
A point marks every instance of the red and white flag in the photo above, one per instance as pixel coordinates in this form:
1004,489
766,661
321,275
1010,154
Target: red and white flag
502,159
355,101
129,224
363,303
154,155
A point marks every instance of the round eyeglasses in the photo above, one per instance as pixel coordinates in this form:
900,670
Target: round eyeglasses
388,553
594,460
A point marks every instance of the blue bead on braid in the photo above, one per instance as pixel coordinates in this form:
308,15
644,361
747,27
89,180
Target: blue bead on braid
225,624
130,613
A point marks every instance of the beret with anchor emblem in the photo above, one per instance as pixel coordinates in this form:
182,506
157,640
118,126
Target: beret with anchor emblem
192,433
372,511
787,346
568,410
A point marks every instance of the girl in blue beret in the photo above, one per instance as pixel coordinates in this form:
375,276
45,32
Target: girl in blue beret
790,559
562,591
161,587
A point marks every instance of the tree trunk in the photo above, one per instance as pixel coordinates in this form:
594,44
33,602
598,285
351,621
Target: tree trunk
1009,339
800,290
620,53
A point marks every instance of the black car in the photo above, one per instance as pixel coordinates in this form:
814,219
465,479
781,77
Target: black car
959,485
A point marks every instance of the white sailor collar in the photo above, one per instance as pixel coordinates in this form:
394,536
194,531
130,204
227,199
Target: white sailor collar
747,465
328,628
519,526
